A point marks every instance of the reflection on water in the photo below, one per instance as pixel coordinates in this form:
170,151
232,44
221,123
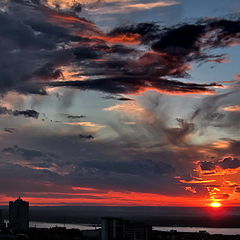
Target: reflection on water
67,225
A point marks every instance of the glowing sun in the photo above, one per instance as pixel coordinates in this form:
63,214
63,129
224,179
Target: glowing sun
215,204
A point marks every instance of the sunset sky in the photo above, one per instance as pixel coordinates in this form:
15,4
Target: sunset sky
120,102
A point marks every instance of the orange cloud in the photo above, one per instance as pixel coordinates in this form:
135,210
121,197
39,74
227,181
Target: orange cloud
179,91
222,172
220,182
129,6
191,189
64,19
83,188
129,107
71,74
141,6
68,18
221,144
235,108
196,181
129,38
130,123
86,124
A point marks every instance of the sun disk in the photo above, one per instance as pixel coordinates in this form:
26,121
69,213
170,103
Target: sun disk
216,204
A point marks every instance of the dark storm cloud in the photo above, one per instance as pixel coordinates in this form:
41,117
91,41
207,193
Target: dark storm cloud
115,175
226,163
93,164
207,166
84,136
26,113
230,163
140,167
174,49
17,179
186,41
132,85
237,190
9,130
221,196
124,99
34,157
131,175
29,46
119,98
180,41
36,42
29,113
69,116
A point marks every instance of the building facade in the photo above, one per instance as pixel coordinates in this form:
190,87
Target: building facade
19,214
120,229
112,228
2,224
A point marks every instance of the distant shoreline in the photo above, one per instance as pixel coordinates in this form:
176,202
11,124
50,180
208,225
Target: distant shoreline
210,230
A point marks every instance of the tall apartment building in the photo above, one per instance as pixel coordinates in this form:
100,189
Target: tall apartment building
19,214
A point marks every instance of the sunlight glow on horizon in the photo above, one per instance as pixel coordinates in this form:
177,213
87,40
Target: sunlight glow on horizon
216,204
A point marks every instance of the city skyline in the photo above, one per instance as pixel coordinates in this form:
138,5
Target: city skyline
120,103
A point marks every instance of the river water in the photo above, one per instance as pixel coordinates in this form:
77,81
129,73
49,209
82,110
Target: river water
225,231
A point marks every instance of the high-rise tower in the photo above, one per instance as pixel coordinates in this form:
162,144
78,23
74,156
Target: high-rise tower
19,214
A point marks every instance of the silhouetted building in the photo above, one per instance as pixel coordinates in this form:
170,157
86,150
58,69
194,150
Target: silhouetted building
137,231
19,214
120,229
91,234
112,228
2,224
